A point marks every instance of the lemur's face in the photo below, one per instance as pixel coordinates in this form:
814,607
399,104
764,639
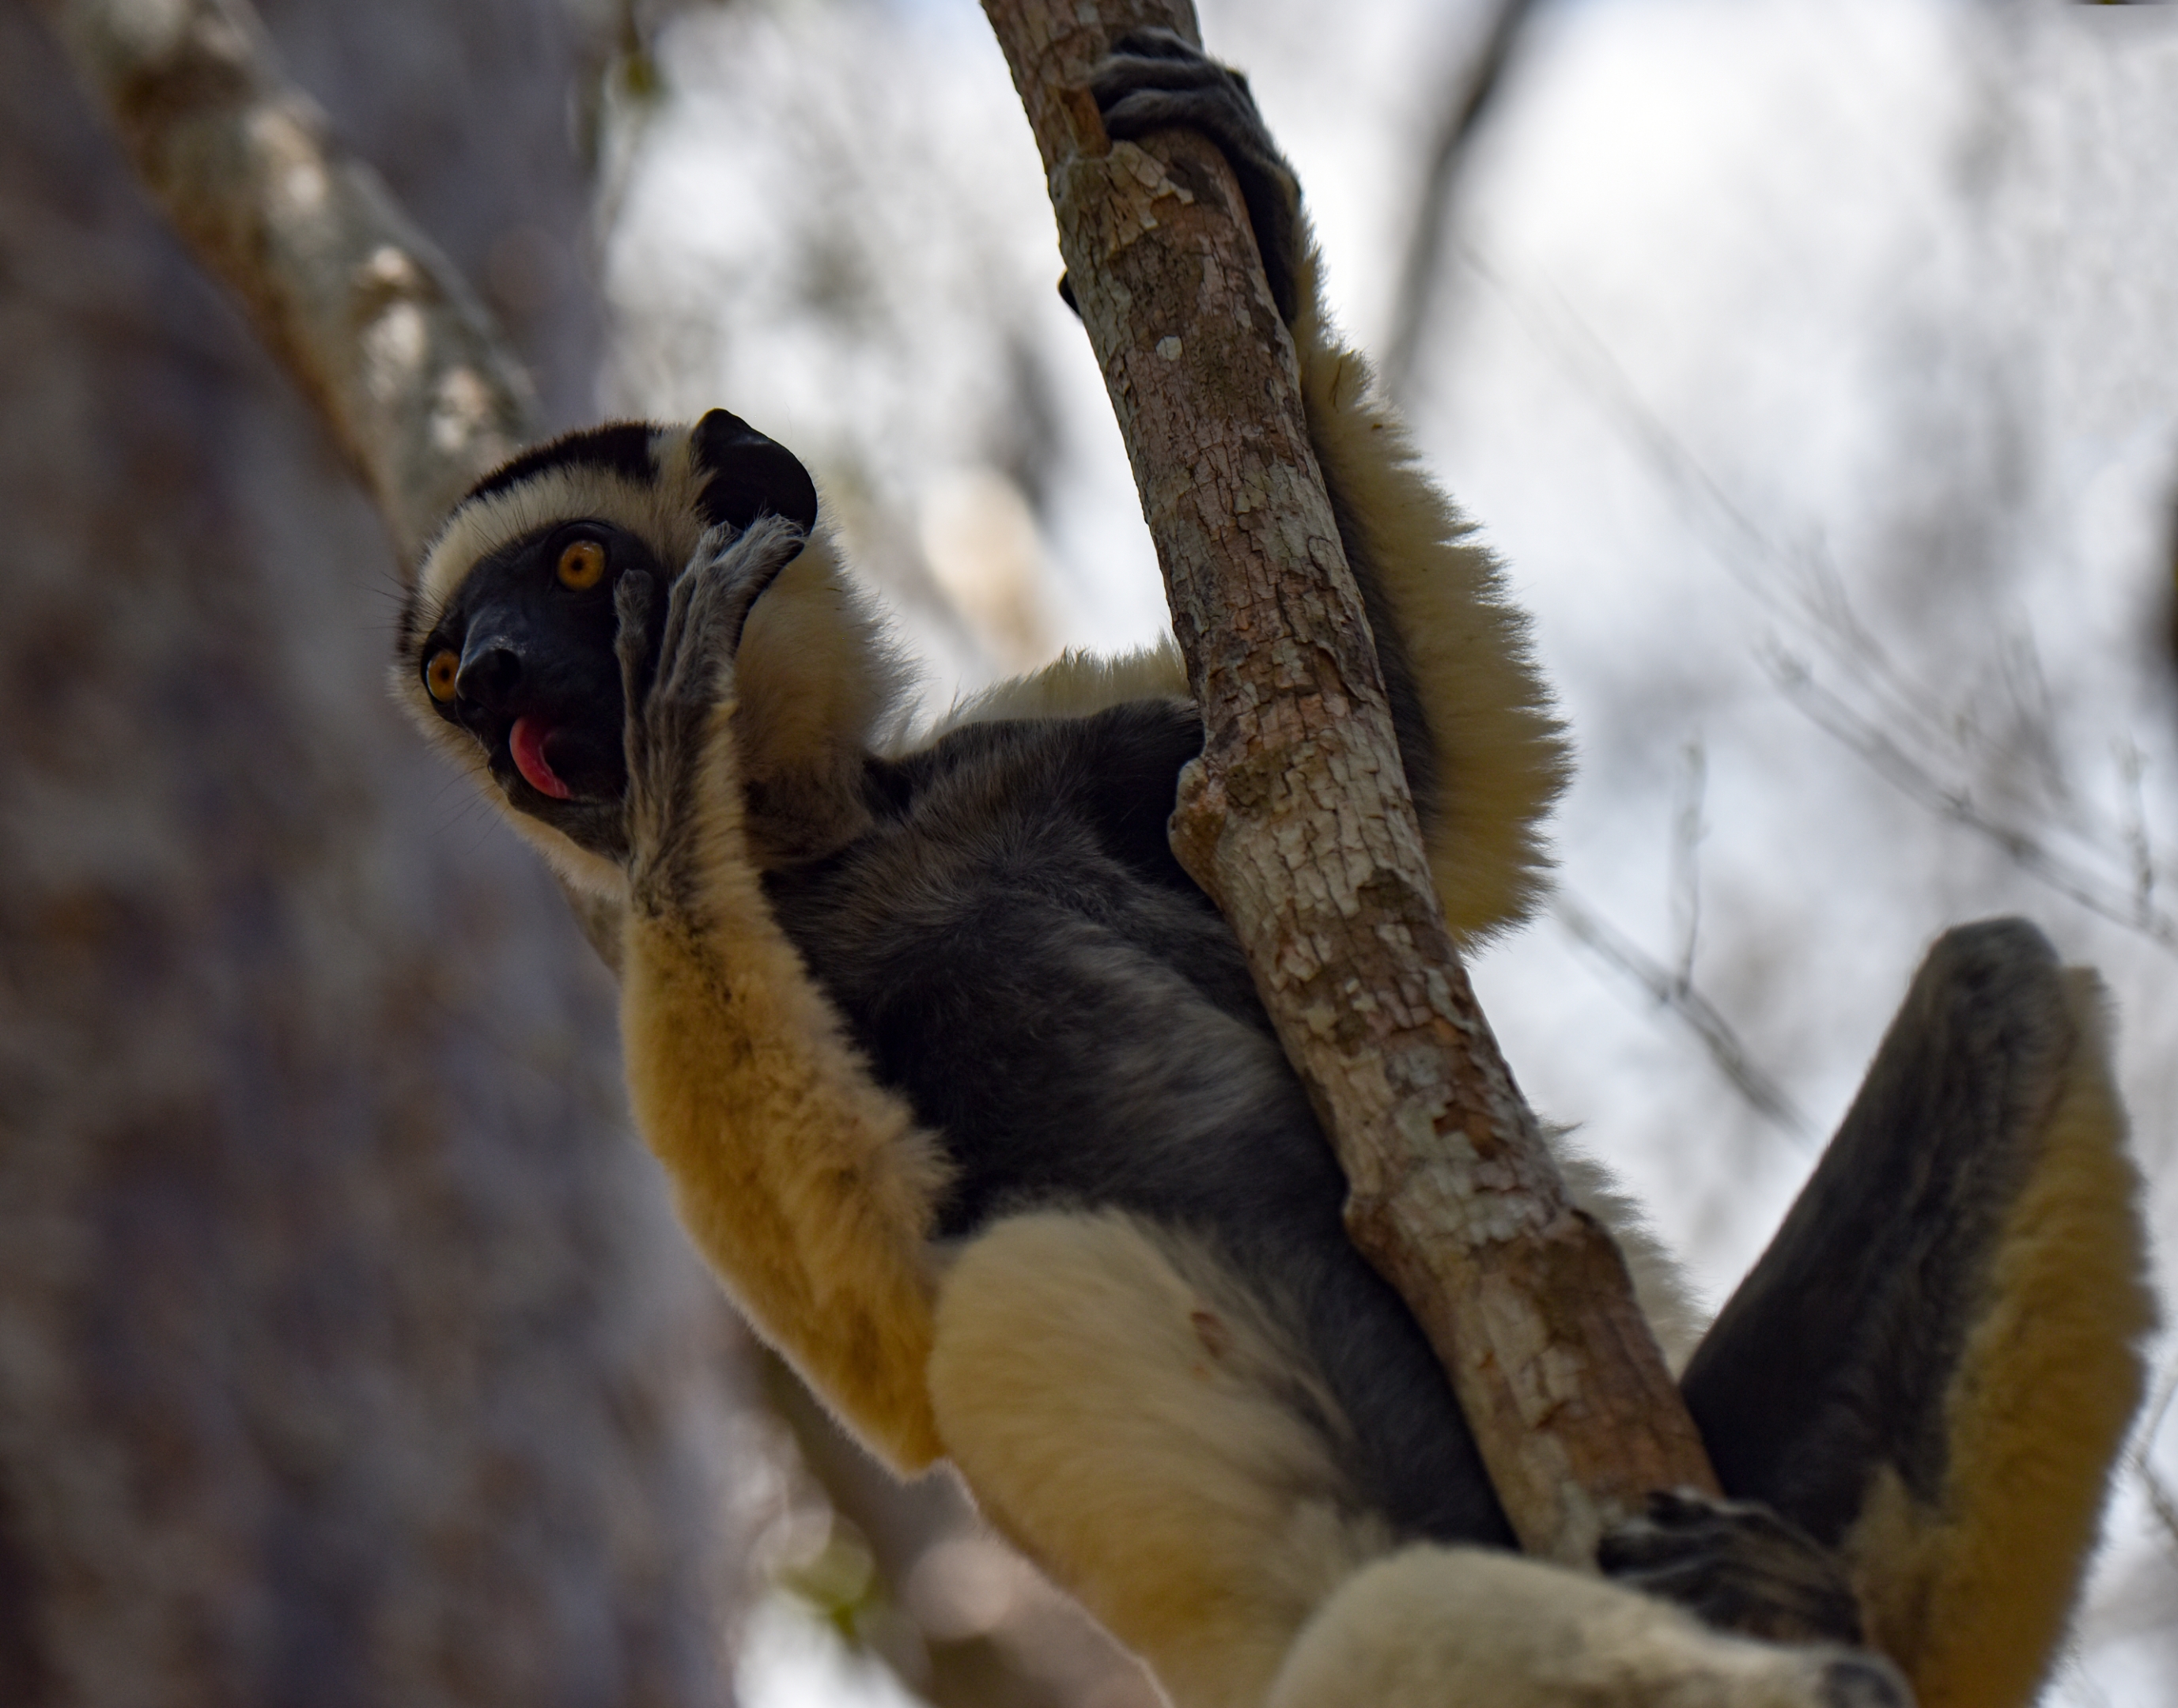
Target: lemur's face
523,659
508,640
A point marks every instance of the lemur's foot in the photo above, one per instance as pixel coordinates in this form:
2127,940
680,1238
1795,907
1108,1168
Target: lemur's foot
1738,1565
1152,81
1427,1625
1863,1681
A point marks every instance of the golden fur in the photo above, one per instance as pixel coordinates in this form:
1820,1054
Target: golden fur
1501,757
806,1184
1972,1596
1124,1416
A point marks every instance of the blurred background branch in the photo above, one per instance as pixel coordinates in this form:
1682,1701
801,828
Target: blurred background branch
348,1353
1472,79
1675,992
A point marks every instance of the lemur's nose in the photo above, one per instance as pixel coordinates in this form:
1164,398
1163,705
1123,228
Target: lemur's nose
491,671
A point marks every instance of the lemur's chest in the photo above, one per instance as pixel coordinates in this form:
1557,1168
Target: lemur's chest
1015,951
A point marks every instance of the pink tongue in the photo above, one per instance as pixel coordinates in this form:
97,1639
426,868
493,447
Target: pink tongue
527,739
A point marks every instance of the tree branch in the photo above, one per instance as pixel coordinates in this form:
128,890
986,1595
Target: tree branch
381,332
1470,88
1297,819
1672,991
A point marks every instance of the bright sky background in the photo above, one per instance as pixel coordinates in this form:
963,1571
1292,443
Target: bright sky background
1761,310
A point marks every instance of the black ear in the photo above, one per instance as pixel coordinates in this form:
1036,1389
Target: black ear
750,475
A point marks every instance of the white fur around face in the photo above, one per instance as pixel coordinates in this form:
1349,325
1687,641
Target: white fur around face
662,512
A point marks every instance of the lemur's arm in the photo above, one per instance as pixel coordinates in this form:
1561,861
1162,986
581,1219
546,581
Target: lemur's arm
807,1185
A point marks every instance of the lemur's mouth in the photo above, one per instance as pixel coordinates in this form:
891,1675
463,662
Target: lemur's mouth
560,756
526,742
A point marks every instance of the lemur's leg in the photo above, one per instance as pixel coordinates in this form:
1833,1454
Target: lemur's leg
1484,758
1127,1412
1134,1418
807,1185
1459,1628
1933,1363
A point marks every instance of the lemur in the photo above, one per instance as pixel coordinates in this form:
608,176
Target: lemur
965,1091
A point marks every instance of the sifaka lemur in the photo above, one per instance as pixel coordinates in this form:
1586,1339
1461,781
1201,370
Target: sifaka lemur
965,1091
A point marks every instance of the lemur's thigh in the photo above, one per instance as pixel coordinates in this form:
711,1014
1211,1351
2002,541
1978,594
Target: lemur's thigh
1126,1411
1934,1362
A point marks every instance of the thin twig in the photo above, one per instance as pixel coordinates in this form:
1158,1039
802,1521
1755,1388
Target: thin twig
1687,831
1470,87
2131,768
1955,805
1801,586
2162,1500
1763,1094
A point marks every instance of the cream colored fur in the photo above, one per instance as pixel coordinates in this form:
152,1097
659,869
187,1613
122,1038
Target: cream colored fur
1075,684
1458,1627
1125,1413
1971,1596
1128,1420
1502,756
817,680
1659,1285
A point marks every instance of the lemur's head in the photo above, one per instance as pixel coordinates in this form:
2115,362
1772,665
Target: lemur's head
505,652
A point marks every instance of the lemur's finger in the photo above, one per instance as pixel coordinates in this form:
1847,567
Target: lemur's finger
1863,1681
632,603
771,543
672,682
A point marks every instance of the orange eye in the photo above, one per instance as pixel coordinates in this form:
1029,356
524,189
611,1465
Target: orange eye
439,674
581,565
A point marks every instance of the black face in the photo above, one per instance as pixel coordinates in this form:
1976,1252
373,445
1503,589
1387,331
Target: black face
523,659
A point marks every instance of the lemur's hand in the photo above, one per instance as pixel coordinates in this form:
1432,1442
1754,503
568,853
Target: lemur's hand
1152,81
681,781
1737,1565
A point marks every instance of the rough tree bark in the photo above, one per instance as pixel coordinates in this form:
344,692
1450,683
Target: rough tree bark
1297,819
348,1352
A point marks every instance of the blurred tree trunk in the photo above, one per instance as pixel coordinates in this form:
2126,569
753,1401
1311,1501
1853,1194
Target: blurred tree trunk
348,1353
